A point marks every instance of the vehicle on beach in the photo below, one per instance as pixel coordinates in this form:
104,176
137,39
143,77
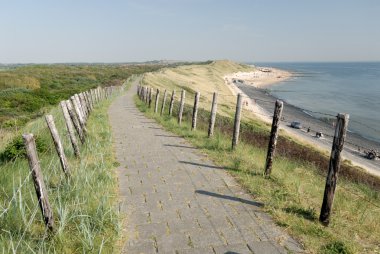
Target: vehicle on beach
296,125
319,134
372,154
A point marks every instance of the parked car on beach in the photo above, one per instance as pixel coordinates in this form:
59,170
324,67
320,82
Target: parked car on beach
296,125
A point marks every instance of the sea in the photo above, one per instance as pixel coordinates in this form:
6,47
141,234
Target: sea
349,87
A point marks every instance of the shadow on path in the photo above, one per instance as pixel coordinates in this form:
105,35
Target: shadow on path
216,195
179,146
204,165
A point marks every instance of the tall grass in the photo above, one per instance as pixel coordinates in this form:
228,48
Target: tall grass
293,194
85,215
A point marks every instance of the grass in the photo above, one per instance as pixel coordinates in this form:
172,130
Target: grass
293,194
30,91
84,205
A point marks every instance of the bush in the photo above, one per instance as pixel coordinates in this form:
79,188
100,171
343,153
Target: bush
16,148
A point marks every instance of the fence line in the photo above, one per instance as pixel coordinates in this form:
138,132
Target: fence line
277,117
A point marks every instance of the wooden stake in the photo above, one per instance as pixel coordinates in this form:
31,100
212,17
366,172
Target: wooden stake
58,144
334,165
39,184
195,111
70,129
181,105
213,114
163,103
150,97
147,96
273,137
156,102
79,115
81,110
75,121
171,103
235,137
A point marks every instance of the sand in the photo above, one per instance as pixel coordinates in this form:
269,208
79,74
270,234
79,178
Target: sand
258,101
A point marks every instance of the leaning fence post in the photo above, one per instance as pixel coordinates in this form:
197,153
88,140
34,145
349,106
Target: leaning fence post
334,165
58,144
79,115
75,121
39,185
70,129
213,114
181,105
235,137
147,95
156,102
195,111
171,103
273,136
163,103
150,97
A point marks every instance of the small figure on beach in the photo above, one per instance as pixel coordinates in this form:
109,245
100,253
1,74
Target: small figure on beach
308,130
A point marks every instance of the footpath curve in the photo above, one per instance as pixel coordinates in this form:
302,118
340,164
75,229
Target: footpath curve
176,201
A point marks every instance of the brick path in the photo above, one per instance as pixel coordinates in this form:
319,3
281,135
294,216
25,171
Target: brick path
176,201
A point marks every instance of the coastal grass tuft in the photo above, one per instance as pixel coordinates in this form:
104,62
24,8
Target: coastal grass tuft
293,193
85,215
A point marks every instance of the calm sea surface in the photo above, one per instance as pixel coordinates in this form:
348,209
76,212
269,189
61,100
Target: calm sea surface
352,88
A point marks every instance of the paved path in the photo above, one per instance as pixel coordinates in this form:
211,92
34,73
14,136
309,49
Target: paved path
176,201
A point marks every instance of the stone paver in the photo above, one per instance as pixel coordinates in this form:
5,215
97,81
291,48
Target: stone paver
176,201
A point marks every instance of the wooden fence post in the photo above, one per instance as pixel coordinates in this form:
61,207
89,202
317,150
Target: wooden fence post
39,185
79,104
156,102
147,96
79,115
334,165
171,103
163,103
70,129
181,105
150,97
195,111
84,105
235,137
213,114
58,144
75,121
273,136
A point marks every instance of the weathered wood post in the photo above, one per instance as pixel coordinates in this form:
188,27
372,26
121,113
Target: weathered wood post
334,165
79,115
195,111
163,103
156,102
85,105
147,96
171,103
273,137
70,129
235,137
81,110
150,97
213,114
39,184
181,105
75,121
58,144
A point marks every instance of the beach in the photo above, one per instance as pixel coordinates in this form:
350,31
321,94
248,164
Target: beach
261,103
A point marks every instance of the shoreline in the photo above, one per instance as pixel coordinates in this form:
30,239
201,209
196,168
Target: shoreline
260,103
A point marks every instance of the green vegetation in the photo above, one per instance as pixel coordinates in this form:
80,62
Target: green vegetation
29,91
84,205
293,194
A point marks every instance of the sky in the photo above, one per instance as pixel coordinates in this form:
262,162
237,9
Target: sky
52,31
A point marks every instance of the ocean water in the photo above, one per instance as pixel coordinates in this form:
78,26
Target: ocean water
332,88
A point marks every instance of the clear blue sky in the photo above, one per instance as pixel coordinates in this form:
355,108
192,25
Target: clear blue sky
138,30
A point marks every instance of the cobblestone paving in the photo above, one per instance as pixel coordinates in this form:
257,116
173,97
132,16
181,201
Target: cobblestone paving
176,201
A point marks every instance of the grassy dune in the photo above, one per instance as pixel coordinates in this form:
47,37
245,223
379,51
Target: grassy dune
293,194
85,214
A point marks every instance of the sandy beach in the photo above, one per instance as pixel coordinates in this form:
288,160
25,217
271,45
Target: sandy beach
261,103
